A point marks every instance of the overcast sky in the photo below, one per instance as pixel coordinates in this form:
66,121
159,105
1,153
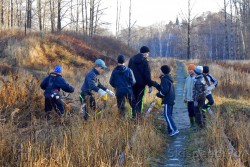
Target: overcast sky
148,12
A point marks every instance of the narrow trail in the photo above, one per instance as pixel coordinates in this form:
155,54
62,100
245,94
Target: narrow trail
174,155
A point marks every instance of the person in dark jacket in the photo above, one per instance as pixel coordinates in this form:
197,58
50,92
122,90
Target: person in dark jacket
141,69
122,79
51,86
199,95
92,83
167,93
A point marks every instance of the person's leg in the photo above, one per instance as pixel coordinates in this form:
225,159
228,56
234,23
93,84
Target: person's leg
191,114
121,104
48,108
167,114
58,106
198,116
132,103
139,94
209,103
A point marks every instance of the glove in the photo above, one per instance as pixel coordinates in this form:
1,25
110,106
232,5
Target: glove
150,89
101,92
211,87
110,92
195,104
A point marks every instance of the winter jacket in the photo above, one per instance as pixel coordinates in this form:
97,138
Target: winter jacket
188,88
91,82
122,77
140,67
166,90
55,82
199,88
211,83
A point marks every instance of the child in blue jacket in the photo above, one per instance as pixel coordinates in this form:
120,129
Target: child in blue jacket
167,93
51,86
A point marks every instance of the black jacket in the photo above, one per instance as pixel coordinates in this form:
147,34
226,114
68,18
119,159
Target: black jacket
122,77
166,90
55,82
140,67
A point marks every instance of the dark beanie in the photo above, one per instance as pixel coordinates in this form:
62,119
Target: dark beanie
165,69
144,49
120,59
205,69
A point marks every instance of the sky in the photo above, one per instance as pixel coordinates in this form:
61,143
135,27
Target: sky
148,12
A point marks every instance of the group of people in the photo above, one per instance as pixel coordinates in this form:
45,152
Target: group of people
198,86
129,82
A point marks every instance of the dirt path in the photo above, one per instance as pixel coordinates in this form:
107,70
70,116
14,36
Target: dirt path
175,152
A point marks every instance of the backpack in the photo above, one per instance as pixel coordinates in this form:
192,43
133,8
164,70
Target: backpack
54,93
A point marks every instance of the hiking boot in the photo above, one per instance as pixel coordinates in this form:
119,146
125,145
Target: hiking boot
174,132
204,110
48,116
209,111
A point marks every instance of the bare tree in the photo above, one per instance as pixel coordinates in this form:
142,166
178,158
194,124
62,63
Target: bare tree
29,8
118,15
39,12
59,21
52,15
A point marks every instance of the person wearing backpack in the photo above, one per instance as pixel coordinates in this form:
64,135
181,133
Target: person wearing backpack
141,69
90,84
52,85
211,83
199,96
167,93
122,79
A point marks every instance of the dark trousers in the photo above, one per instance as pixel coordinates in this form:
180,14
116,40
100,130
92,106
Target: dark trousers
190,106
89,103
121,98
57,104
210,101
168,112
139,96
199,116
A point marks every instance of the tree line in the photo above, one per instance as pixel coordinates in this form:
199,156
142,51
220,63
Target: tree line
222,35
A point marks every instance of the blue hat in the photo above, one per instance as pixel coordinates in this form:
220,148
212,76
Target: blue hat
101,63
58,69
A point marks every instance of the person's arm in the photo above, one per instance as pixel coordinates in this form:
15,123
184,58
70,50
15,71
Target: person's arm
44,83
91,82
185,91
213,79
112,80
147,73
131,77
65,86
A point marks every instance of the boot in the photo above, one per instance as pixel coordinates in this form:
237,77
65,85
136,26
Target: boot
192,122
48,116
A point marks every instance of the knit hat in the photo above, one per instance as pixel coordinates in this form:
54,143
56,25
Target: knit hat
198,70
120,59
58,69
165,69
191,67
144,49
101,63
205,69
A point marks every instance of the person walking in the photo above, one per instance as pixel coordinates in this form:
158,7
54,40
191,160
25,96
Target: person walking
122,79
90,84
199,93
52,85
141,69
188,94
167,93
211,83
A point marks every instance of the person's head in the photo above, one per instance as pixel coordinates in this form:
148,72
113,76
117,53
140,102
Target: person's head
100,65
120,60
205,69
145,51
198,70
165,69
191,68
58,69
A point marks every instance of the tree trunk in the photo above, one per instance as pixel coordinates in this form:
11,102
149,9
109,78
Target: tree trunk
39,10
59,26
52,15
11,13
29,6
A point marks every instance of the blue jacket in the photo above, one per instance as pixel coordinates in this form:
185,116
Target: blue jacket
91,83
55,82
166,90
141,69
122,77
